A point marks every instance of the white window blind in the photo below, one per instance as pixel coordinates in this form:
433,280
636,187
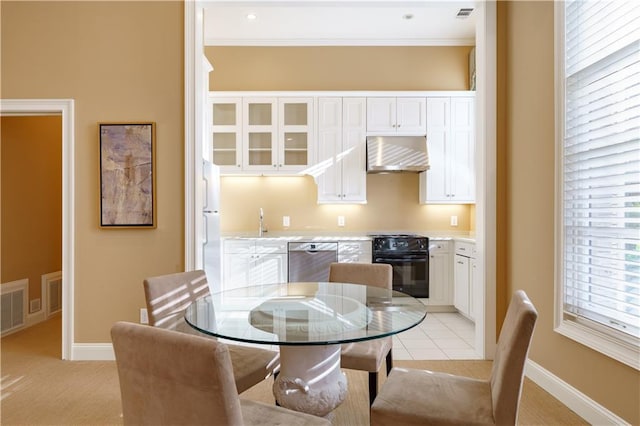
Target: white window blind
601,166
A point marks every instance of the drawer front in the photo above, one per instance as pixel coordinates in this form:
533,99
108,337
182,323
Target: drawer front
239,246
354,247
439,246
465,249
265,246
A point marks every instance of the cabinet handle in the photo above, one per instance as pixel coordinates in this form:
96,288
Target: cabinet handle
460,263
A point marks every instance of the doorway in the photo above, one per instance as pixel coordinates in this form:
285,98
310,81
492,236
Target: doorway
196,86
65,109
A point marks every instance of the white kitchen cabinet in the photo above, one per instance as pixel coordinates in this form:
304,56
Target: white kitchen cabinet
253,262
226,130
341,161
396,116
354,251
463,277
451,145
266,135
440,288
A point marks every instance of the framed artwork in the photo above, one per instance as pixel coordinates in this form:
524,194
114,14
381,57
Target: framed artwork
127,175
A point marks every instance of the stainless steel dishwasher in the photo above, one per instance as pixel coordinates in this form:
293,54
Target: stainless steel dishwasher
309,261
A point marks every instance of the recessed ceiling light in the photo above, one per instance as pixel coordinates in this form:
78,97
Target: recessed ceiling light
407,16
251,16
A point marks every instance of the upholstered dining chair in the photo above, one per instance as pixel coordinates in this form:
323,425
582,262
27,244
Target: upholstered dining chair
172,378
419,397
167,296
367,355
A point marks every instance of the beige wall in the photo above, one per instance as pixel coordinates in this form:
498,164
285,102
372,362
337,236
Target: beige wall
31,199
528,168
392,205
337,68
123,61
119,61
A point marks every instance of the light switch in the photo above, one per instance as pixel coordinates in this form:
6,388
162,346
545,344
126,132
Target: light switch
454,220
285,221
340,220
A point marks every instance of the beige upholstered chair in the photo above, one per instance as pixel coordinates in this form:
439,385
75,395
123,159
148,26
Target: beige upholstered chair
172,378
167,296
367,355
418,397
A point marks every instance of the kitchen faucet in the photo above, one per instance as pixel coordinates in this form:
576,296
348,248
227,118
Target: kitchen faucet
262,228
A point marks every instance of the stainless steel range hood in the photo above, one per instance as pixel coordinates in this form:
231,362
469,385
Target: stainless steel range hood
388,154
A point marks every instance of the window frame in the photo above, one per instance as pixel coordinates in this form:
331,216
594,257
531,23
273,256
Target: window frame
607,341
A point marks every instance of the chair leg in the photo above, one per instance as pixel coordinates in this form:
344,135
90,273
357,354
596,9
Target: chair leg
373,387
389,362
275,376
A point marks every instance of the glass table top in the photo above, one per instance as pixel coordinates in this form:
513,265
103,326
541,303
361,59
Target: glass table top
312,313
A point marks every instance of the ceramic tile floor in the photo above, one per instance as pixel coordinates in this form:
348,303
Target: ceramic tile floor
441,336
445,335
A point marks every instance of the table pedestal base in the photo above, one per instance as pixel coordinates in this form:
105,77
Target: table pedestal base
310,379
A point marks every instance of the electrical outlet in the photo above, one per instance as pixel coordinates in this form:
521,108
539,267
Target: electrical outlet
285,221
340,220
454,220
144,316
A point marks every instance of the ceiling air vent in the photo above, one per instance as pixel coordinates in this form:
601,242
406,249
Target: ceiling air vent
464,13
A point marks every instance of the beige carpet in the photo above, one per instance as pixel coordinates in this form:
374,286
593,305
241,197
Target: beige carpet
38,388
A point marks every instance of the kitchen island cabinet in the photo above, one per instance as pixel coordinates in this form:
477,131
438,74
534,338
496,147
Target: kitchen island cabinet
341,174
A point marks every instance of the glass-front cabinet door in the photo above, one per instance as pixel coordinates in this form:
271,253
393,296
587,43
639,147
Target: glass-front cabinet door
260,134
226,133
295,132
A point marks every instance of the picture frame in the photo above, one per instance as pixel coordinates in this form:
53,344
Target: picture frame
127,175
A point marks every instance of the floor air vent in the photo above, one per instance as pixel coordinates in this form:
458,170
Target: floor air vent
13,306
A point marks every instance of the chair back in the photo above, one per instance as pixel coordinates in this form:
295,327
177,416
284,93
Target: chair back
507,373
374,274
168,295
171,378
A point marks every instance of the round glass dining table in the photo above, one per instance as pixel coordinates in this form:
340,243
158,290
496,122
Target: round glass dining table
309,321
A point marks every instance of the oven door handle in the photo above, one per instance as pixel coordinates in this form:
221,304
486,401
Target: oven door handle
401,259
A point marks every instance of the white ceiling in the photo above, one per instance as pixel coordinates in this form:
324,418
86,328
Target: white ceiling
305,23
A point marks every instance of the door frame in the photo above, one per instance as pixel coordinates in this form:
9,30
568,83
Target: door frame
486,151
65,108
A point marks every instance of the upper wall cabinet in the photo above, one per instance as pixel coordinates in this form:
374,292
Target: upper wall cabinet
262,134
226,131
341,166
451,144
396,116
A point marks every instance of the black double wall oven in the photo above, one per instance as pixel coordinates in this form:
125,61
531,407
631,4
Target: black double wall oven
409,257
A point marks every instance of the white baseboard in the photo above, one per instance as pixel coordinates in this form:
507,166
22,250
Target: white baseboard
35,318
92,352
581,404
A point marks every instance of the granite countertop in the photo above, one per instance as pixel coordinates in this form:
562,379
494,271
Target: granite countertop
345,236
